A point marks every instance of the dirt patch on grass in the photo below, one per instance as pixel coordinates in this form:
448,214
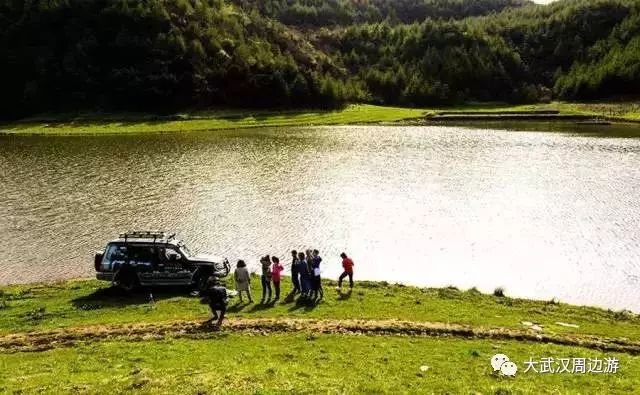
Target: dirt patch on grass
40,341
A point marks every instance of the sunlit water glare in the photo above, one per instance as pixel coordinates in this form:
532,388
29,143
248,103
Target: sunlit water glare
542,214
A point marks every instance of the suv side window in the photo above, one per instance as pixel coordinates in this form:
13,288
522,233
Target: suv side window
171,255
116,255
171,258
142,255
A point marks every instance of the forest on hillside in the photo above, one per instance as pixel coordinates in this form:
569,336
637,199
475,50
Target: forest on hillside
162,55
319,13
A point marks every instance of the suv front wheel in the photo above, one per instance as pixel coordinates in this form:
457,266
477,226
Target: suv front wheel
200,279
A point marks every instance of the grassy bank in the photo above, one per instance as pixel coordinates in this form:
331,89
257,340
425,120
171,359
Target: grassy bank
89,302
89,124
205,120
621,110
300,361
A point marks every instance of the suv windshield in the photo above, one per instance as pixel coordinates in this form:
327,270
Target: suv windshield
184,249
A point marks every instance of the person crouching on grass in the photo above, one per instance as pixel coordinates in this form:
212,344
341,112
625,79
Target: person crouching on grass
218,300
347,266
276,271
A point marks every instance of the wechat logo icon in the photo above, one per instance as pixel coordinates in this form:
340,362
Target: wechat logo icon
501,363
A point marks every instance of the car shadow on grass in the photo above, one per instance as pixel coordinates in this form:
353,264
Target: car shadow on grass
114,297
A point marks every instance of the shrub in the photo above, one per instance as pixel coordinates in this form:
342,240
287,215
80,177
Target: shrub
36,314
623,315
474,291
449,293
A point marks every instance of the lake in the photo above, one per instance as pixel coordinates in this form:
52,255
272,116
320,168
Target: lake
543,214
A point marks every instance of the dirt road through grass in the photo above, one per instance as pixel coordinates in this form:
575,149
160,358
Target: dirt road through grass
44,340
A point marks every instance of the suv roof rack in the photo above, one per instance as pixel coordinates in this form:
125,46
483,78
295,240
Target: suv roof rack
147,234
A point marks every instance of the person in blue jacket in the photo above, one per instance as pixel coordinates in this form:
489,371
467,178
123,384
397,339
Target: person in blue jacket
303,270
295,276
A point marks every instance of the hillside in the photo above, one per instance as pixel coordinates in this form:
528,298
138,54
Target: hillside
153,55
572,49
163,55
318,13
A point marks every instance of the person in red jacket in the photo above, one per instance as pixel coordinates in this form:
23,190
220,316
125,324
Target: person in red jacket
347,266
276,271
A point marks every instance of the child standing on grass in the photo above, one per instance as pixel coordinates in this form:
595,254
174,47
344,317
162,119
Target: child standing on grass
243,280
265,261
295,278
317,281
276,271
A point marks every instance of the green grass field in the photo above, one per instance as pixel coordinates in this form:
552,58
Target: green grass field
614,110
304,363
621,111
206,121
97,124
300,361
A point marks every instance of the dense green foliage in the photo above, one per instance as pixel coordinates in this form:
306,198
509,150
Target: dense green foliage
346,12
568,34
150,54
610,67
166,54
431,63
578,48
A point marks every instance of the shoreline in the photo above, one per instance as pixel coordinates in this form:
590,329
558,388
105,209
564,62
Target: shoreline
555,300
89,124
94,291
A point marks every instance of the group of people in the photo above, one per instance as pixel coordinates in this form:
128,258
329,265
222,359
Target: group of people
305,275
271,273
305,279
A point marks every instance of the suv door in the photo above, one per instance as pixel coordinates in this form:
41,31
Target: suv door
144,259
172,268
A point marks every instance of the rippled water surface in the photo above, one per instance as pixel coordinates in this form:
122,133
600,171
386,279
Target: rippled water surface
542,214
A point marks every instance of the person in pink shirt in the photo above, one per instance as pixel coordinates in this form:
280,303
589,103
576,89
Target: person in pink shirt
276,275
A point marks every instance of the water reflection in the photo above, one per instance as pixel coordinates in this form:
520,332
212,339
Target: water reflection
542,214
